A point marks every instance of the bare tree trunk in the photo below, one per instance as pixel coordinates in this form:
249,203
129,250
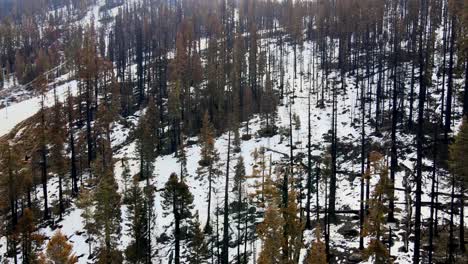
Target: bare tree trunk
225,251
448,112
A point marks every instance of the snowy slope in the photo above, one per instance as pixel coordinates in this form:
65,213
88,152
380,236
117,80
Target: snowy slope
347,193
348,132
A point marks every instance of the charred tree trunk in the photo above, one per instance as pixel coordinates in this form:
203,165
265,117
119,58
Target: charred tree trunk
308,224
419,147
462,220
465,95
451,246
448,109
363,172
225,250
73,169
433,195
332,195
394,158
43,153
89,139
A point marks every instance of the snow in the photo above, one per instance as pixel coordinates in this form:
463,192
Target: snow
14,114
348,132
347,193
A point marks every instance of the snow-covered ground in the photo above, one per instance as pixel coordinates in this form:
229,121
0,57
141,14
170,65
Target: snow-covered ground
15,113
348,192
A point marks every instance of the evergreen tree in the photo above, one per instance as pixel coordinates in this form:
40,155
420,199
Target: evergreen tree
148,143
70,112
458,150
10,190
239,51
459,167
207,141
268,106
226,224
10,166
138,248
88,73
59,250
86,204
57,157
197,247
264,189
42,145
31,240
317,253
271,232
293,228
126,176
107,216
178,200
236,142
147,140
175,115
374,225
209,166
182,157
239,204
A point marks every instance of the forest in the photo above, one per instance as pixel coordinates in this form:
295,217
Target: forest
233,131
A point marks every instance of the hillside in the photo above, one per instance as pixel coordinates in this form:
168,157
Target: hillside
182,131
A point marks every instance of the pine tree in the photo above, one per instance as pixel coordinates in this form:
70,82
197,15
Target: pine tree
270,231
87,73
206,140
42,145
126,176
57,136
317,253
239,175
10,167
208,164
239,204
458,150
459,167
70,104
59,250
147,139
138,248
148,144
268,106
31,240
103,162
265,189
374,225
198,248
175,114
104,118
178,200
236,142
182,157
86,204
107,216
226,224
293,228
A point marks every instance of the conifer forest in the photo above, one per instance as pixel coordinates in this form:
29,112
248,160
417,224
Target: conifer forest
233,131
